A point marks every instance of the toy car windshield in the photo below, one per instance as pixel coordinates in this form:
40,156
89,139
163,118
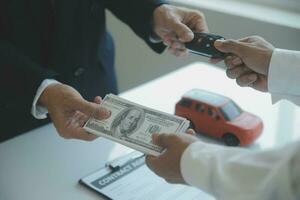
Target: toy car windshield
231,111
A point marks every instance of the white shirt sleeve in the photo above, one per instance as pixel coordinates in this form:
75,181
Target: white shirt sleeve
231,173
283,76
40,112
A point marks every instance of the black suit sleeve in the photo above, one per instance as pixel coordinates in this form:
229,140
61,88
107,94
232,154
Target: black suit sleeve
138,15
23,75
20,76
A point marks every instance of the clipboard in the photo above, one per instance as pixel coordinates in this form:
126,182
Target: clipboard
128,178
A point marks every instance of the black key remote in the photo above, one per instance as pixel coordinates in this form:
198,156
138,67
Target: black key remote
203,44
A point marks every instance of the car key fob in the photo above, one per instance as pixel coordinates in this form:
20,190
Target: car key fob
203,44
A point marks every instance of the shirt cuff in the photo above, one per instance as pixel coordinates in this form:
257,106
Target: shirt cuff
283,76
197,172
38,111
292,98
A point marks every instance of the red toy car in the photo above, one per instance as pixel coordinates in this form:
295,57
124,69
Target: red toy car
218,116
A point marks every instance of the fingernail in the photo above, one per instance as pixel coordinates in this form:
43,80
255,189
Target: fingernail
167,42
190,35
187,37
236,61
218,43
228,58
252,77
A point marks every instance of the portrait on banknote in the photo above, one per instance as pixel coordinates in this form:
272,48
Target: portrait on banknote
132,124
127,122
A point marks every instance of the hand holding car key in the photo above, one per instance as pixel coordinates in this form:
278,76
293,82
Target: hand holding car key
203,44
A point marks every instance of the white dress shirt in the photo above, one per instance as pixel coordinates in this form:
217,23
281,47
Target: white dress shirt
231,173
284,75
38,111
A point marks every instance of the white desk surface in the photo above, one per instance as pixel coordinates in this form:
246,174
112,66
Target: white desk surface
39,165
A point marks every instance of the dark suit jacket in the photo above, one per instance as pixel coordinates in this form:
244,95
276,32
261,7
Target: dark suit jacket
67,41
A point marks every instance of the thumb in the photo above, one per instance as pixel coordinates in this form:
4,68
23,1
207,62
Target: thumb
163,140
230,46
190,132
97,100
183,33
93,110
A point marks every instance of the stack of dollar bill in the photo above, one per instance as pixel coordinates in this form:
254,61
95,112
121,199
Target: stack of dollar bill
133,125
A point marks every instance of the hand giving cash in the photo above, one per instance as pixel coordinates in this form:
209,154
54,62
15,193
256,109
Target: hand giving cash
133,125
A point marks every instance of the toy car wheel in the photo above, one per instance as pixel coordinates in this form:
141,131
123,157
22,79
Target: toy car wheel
231,140
192,125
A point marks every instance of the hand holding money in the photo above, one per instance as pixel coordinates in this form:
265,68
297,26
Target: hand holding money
167,165
133,125
69,110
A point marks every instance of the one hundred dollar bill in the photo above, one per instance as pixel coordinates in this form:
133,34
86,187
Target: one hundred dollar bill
133,125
